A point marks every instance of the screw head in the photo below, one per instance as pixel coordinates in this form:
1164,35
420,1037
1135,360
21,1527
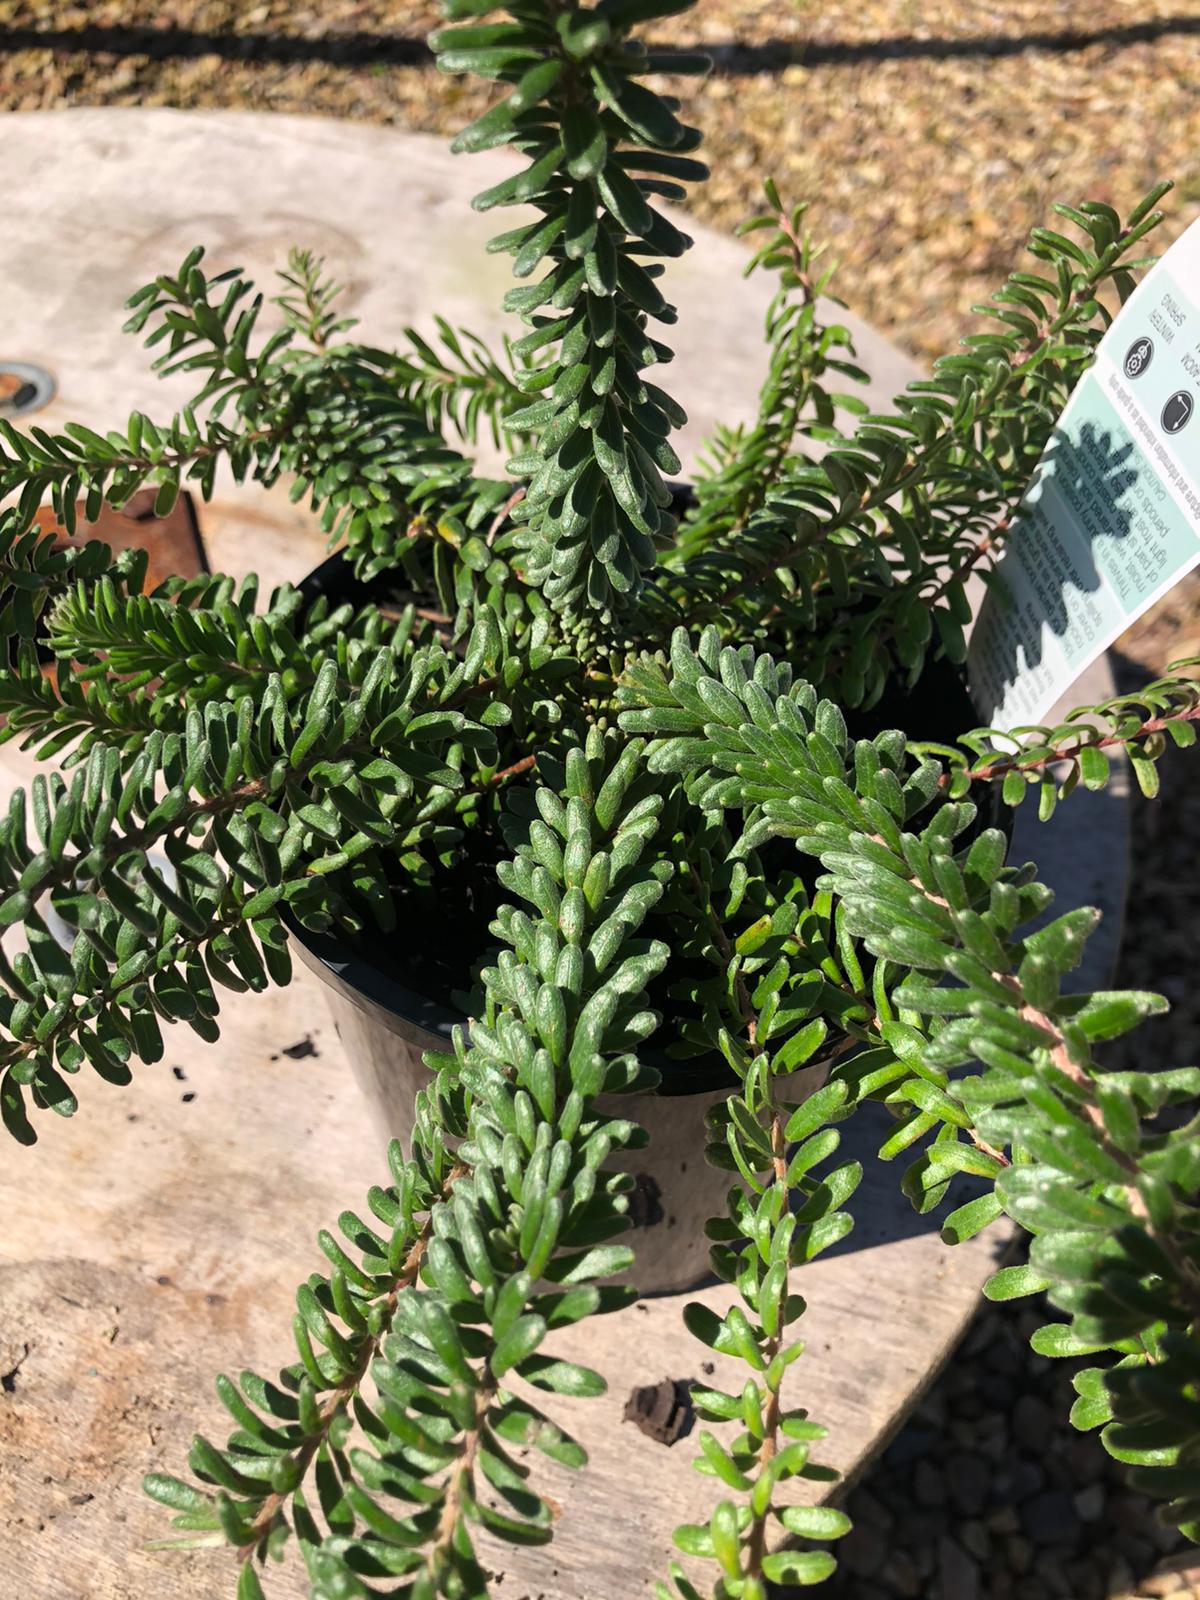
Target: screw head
24,388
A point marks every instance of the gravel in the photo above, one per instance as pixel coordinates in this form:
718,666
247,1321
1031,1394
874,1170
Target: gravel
931,136
1029,1508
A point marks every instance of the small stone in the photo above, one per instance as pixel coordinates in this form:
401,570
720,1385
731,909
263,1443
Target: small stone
1164,1585
968,1479
931,1413
894,1491
1058,1472
864,1550
902,1575
1159,1585
1019,1552
1029,1478
928,1487
998,1390
1029,1321
1031,1315
1167,1539
1089,1503
1003,1356
1053,1575
663,1411
1032,1423
1017,1480
1128,1511
910,1445
994,1446
1138,1552
1090,1581
921,1530
975,1537
958,1573
866,1507
925,1558
1004,1520
982,1336
1086,1459
958,1380
1120,1576
965,1429
992,1426
1050,1518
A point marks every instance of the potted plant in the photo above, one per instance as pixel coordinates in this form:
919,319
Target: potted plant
610,768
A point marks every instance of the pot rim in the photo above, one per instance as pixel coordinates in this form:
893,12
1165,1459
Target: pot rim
429,1024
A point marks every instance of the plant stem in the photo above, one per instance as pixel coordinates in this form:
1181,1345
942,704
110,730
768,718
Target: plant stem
756,1539
338,1397
459,1481
1068,750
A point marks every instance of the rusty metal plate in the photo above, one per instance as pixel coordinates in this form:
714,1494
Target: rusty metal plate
24,387
174,543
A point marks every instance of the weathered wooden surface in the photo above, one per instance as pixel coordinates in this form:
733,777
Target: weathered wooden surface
389,212
151,1242
156,1238
159,1236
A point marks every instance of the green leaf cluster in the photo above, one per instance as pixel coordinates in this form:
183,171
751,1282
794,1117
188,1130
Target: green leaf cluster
596,144
633,701
498,1229
854,565
986,1062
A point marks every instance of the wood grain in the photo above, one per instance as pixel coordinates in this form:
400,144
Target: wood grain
152,1239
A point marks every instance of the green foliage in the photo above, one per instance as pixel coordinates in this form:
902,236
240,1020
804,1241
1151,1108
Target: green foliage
857,563
481,1251
233,764
172,856
596,144
986,1063
745,465
356,429
1140,727
783,1212
455,377
34,570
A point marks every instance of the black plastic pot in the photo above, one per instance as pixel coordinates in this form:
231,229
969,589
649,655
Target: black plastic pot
387,1026
386,1030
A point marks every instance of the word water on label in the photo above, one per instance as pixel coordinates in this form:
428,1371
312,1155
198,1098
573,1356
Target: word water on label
1111,519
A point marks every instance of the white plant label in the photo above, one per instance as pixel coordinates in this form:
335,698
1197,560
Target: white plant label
1111,518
